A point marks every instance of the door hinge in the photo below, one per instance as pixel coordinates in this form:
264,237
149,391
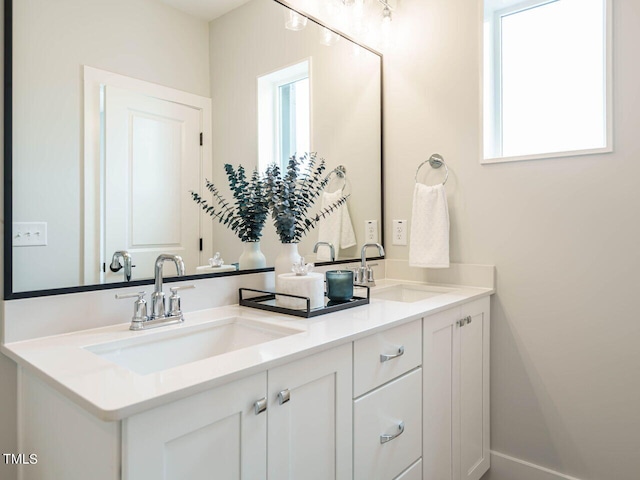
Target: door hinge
200,244
201,139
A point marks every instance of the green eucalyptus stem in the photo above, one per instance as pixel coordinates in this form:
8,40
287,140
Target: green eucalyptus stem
291,194
248,213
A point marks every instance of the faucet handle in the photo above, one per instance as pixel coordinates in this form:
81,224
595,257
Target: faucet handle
174,290
140,295
174,300
139,307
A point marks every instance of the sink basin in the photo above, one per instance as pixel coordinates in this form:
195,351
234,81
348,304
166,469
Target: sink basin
408,293
164,350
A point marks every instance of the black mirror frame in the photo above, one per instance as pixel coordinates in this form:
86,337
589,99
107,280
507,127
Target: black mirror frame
9,294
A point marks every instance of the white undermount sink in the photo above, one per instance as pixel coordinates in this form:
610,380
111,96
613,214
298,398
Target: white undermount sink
408,293
163,350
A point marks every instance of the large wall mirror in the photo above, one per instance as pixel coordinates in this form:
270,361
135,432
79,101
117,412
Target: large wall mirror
117,109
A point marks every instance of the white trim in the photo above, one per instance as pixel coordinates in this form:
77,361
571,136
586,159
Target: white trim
93,80
504,467
541,156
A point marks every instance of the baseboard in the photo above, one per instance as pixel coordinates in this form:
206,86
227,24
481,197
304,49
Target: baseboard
504,467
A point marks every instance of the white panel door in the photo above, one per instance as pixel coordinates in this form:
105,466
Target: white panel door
310,435
152,161
215,434
474,390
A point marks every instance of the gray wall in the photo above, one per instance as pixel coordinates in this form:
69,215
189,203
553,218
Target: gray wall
563,234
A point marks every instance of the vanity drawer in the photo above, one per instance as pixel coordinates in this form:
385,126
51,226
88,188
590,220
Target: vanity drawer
403,347
394,411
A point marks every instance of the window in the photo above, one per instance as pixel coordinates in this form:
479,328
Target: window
546,67
284,114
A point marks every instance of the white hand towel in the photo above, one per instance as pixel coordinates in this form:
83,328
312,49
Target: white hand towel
336,229
429,244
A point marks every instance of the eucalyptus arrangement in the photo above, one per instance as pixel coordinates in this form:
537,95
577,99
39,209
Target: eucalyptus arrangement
292,192
248,213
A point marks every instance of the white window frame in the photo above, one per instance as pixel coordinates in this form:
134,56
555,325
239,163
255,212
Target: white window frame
269,109
495,26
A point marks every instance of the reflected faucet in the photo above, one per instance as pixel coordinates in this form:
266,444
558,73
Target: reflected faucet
328,244
157,298
364,274
116,266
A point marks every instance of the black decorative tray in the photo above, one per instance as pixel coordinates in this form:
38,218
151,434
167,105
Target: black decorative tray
267,301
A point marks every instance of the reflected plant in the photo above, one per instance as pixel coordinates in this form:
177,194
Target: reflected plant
291,193
248,213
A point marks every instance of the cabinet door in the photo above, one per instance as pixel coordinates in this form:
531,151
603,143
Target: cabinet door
310,417
440,417
474,390
214,434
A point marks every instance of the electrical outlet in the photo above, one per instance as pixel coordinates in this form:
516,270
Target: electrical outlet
371,231
399,232
29,234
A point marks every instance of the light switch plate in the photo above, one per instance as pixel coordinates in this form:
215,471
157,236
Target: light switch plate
371,231
399,232
29,234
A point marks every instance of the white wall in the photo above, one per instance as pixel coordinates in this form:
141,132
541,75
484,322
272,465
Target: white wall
142,39
563,234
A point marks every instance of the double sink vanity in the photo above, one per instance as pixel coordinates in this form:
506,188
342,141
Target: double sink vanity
394,389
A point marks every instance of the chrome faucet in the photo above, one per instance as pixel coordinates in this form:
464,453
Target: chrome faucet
159,314
157,297
364,273
116,266
328,244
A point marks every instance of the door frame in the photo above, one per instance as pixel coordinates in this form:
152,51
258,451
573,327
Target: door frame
92,193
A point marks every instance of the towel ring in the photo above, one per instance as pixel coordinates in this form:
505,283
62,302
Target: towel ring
341,172
436,161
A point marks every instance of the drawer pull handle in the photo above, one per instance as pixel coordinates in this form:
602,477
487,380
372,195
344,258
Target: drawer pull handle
386,358
260,405
284,396
384,438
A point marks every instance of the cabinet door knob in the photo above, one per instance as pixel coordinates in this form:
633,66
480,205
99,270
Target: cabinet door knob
384,438
469,319
260,405
464,321
284,396
386,358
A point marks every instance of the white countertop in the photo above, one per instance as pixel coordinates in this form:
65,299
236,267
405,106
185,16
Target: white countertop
112,392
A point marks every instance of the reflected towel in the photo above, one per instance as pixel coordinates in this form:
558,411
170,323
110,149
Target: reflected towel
429,244
336,229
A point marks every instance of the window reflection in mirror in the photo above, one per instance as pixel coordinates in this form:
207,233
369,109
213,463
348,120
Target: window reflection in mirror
545,78
284,111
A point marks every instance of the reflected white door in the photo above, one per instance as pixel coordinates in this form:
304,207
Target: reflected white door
152,160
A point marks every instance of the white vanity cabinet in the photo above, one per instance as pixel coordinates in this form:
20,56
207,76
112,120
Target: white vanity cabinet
408,402
222,434
456,393
217,433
